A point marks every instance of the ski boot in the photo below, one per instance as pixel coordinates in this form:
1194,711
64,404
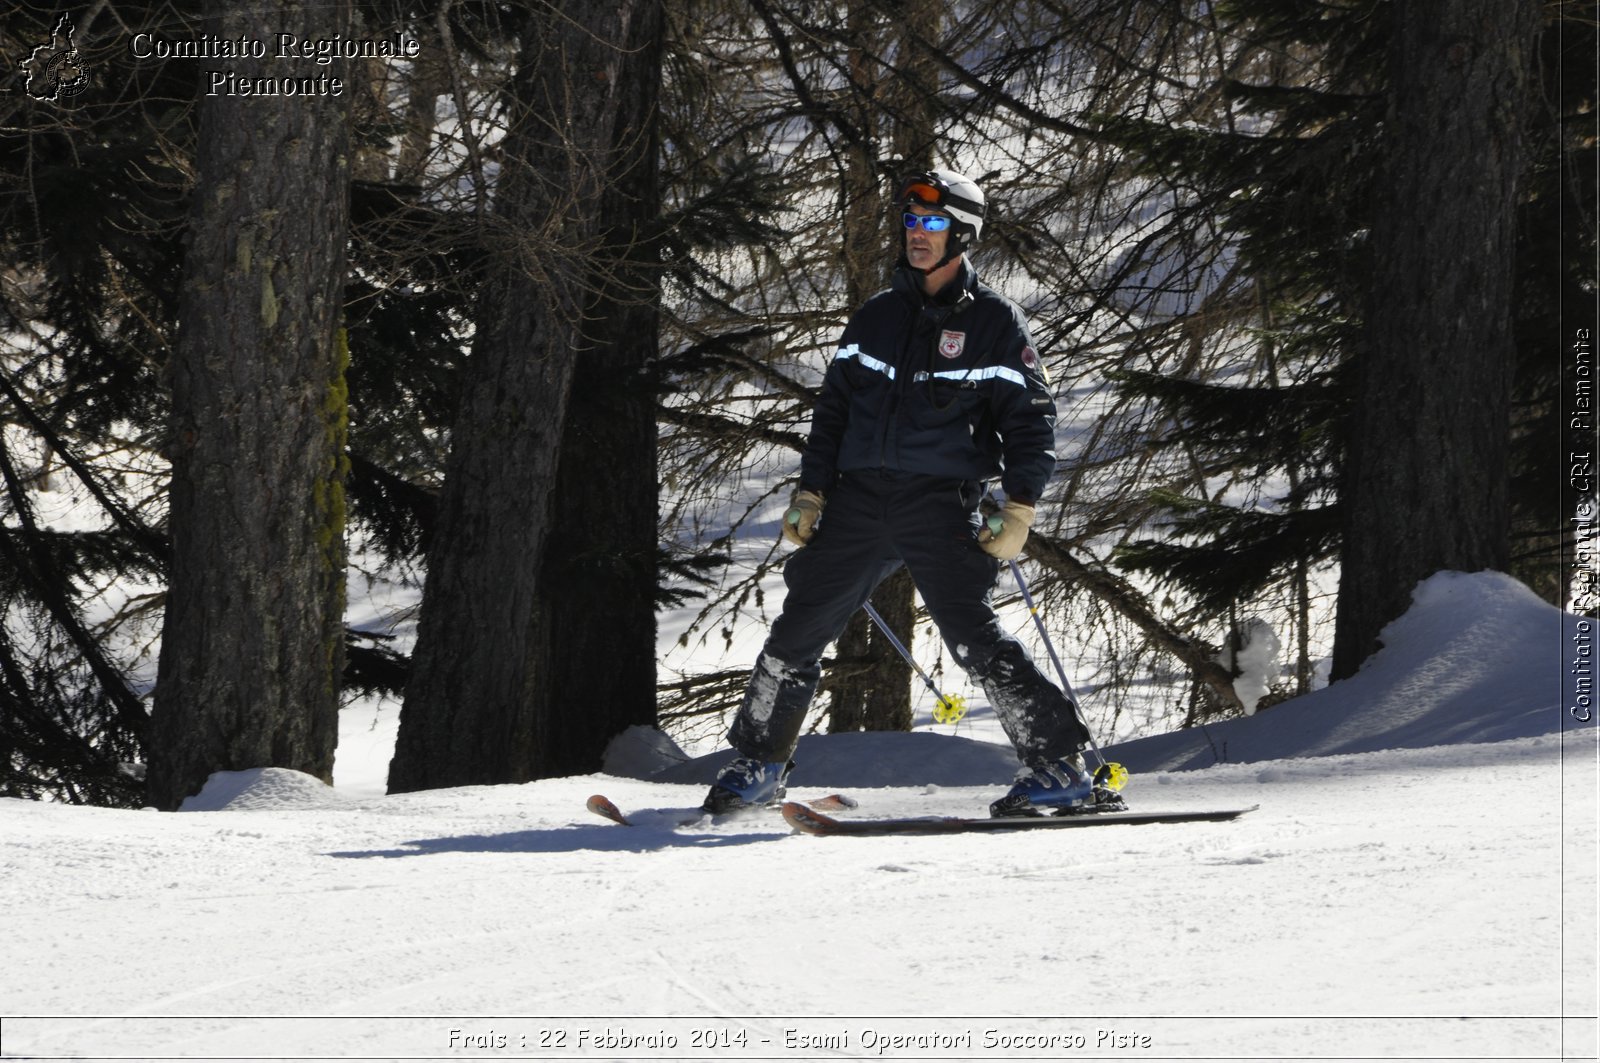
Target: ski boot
745,782
1061,788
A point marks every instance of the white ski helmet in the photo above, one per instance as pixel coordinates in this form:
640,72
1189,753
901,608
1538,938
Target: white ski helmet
951,193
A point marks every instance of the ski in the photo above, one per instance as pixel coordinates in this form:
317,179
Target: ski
606,808
809,820
603,806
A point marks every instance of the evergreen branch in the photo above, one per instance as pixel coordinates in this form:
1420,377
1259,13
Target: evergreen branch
33,565
1126,600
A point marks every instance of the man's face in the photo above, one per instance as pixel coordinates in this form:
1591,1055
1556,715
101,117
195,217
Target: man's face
923,248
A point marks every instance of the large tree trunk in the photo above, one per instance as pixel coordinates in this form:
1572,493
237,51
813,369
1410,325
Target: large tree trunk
598,605
252,647
1426,470
876,696
471,709
871,688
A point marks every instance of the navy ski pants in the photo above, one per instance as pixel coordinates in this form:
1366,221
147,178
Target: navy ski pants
873,523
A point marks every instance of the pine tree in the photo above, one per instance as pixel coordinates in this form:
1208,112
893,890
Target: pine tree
470,713
1297,195
598,604
893,95
253,643
1427,473
90,227
1238,411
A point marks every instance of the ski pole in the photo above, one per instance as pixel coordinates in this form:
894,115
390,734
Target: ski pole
950,709
1115,774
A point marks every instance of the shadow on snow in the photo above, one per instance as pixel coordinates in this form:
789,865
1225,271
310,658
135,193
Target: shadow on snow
605,839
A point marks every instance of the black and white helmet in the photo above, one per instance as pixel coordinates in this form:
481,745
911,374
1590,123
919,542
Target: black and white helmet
951,193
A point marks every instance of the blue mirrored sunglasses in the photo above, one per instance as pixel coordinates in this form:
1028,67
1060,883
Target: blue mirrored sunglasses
933,223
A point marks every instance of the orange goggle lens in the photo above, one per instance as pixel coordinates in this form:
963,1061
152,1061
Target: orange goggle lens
925,192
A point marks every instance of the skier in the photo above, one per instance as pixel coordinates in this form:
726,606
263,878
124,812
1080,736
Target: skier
936,389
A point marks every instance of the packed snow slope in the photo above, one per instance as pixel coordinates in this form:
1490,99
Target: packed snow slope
1418,883
1479,658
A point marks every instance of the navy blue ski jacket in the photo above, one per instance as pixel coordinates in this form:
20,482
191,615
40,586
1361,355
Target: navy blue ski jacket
943,385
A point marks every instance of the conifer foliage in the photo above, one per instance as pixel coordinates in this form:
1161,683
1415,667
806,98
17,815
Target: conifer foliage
91,219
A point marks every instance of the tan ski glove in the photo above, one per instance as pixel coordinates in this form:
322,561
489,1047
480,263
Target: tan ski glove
1006,530
800,519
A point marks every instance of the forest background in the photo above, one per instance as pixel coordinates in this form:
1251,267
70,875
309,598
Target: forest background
529,316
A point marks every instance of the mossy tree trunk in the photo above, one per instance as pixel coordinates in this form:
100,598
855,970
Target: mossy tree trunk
252,647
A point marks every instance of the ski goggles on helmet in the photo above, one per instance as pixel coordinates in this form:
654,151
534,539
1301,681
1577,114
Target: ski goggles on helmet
933,223
932,195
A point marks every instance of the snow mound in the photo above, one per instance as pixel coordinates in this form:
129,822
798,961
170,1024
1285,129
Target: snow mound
1454,669
264,789
640,752
875,758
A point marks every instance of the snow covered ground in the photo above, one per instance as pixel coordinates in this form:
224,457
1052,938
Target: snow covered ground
1418,883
